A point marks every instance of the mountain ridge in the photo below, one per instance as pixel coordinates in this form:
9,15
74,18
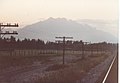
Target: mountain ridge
48,29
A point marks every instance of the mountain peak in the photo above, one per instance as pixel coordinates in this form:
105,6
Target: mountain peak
50,18
48,29
56,19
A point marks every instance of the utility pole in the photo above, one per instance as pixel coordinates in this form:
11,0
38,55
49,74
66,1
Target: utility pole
97,48
2,26
91,48
83,48
64,39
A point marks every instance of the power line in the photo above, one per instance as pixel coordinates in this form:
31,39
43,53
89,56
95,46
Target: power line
64,38
83,48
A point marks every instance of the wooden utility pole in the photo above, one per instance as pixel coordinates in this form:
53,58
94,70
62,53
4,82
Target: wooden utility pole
64,39
83,48
7,32
2,26
91,49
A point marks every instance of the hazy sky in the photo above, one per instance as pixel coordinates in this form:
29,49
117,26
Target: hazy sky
27,11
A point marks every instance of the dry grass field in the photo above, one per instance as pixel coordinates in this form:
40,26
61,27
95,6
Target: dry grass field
48,68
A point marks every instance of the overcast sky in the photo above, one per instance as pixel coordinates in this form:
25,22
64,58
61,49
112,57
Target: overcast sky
27,11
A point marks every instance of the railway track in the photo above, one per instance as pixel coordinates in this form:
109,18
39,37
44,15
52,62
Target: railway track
111,75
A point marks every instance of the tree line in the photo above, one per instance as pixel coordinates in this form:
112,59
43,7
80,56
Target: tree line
12,43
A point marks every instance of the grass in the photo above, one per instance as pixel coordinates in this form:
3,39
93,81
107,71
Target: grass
56,67
8,61
75,71
57,73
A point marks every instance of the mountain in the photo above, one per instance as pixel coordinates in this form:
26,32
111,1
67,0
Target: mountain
110,26
48,29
